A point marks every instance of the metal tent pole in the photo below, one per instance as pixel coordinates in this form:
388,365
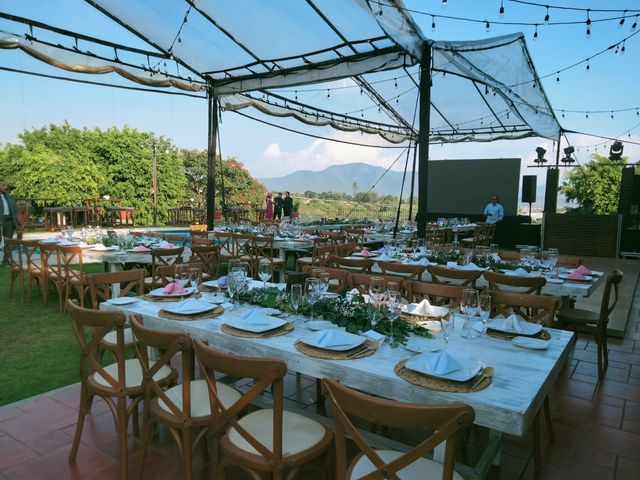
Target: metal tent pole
423,138
212,102
413,181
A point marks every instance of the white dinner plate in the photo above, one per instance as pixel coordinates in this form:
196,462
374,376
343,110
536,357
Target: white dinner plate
553,280
527,342
260,325
316,325
159,292
335,339
470,367
122,300
587,278
105,249
191,306
422,345
131,250
528,328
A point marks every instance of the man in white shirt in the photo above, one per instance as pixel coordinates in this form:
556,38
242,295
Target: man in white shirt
494,211
9,216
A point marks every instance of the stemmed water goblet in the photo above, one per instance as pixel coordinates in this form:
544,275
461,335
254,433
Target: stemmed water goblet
312,291
233,281
469,307
181,274
485,308
393,310
264,271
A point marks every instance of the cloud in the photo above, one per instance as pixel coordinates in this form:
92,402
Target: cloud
272,150
322,153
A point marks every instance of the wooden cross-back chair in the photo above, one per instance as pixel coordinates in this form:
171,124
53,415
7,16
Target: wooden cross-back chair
338,279
32,265
208,256
436,293
319,256
535,309
270,440
482,235
334,237
201,242
263,250
245,251
355,265
113,383
227,245
443,422
437,235
514,283
406,271
166,274
184,408
596,323
355,235
345,249
100,286
453,276
13,248
161,257
176,240
362,282
72,266
51,273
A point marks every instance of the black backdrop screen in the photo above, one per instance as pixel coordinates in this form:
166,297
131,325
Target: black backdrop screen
466,186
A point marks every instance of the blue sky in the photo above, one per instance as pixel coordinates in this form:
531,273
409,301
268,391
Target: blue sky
611,83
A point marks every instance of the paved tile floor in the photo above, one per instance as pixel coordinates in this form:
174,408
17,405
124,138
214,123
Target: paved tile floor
597,427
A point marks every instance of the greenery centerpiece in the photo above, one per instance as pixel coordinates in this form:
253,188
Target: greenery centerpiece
348,311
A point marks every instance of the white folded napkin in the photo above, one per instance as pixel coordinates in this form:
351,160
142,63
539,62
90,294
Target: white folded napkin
261,318
373,335
384,257
452,264
99,246
189,307
424,262
334,338
424,308
164,244
443,363
512,322
519,272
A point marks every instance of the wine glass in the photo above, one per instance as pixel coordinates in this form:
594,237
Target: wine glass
373,314
264,271
241,279
181,276
485,308
195,275
232,286
393,310
312,291
233,263
296,297
552,256
376,289
447,326
469,307
324,282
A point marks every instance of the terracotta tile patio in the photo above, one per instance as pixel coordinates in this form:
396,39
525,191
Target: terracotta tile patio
597,427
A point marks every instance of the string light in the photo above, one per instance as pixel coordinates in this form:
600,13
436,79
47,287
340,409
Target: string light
487,26
588,22
501,11
444,3
635,23
433,23
535,33
546,17
621,23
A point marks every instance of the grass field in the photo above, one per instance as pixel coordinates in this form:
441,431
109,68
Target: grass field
313,209
39,351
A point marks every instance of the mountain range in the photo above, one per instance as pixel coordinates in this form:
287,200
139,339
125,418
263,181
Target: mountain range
340,178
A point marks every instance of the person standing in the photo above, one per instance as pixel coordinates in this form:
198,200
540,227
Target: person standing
9,217
494,211
277,204
287,205
268,213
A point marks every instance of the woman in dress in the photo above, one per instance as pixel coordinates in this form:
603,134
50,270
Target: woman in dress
269,211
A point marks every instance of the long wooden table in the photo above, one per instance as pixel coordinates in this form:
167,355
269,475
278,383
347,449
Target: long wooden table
522,378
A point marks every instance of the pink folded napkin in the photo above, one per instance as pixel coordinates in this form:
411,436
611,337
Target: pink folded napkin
301,239
576,276
173,288
582,270
140,248
164,244
366,253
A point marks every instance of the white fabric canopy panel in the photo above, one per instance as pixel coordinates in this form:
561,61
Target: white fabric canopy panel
351,64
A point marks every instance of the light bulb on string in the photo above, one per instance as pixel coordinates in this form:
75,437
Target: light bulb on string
622,48
586,115
501,11
433,23
588,67
558,77
611,114
588,22
328,93
562,113
444,3
296,92
621,22
535,33
487,26
546,17
635,23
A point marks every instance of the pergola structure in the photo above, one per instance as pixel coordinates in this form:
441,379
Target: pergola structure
356,65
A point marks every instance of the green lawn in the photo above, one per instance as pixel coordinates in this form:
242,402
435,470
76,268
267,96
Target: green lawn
38,350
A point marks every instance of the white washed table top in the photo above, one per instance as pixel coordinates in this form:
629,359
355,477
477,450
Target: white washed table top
521,380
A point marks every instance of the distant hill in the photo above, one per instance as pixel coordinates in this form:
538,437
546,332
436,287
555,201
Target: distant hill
340,178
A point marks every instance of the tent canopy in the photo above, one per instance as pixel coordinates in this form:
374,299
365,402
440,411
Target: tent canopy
351,64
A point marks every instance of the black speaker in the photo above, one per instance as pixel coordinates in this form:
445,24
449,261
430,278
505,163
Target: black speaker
529,188
636,190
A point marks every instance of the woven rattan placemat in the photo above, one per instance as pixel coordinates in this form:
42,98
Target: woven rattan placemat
542,334
432,383
217,311
369,347
151,298
236,332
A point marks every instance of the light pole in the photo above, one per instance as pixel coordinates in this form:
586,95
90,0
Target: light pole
154,181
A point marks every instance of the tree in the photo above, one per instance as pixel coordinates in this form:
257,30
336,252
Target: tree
594,186
240,187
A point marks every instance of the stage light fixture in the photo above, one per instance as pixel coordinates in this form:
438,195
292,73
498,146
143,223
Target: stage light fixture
615,152
540,152
568,159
